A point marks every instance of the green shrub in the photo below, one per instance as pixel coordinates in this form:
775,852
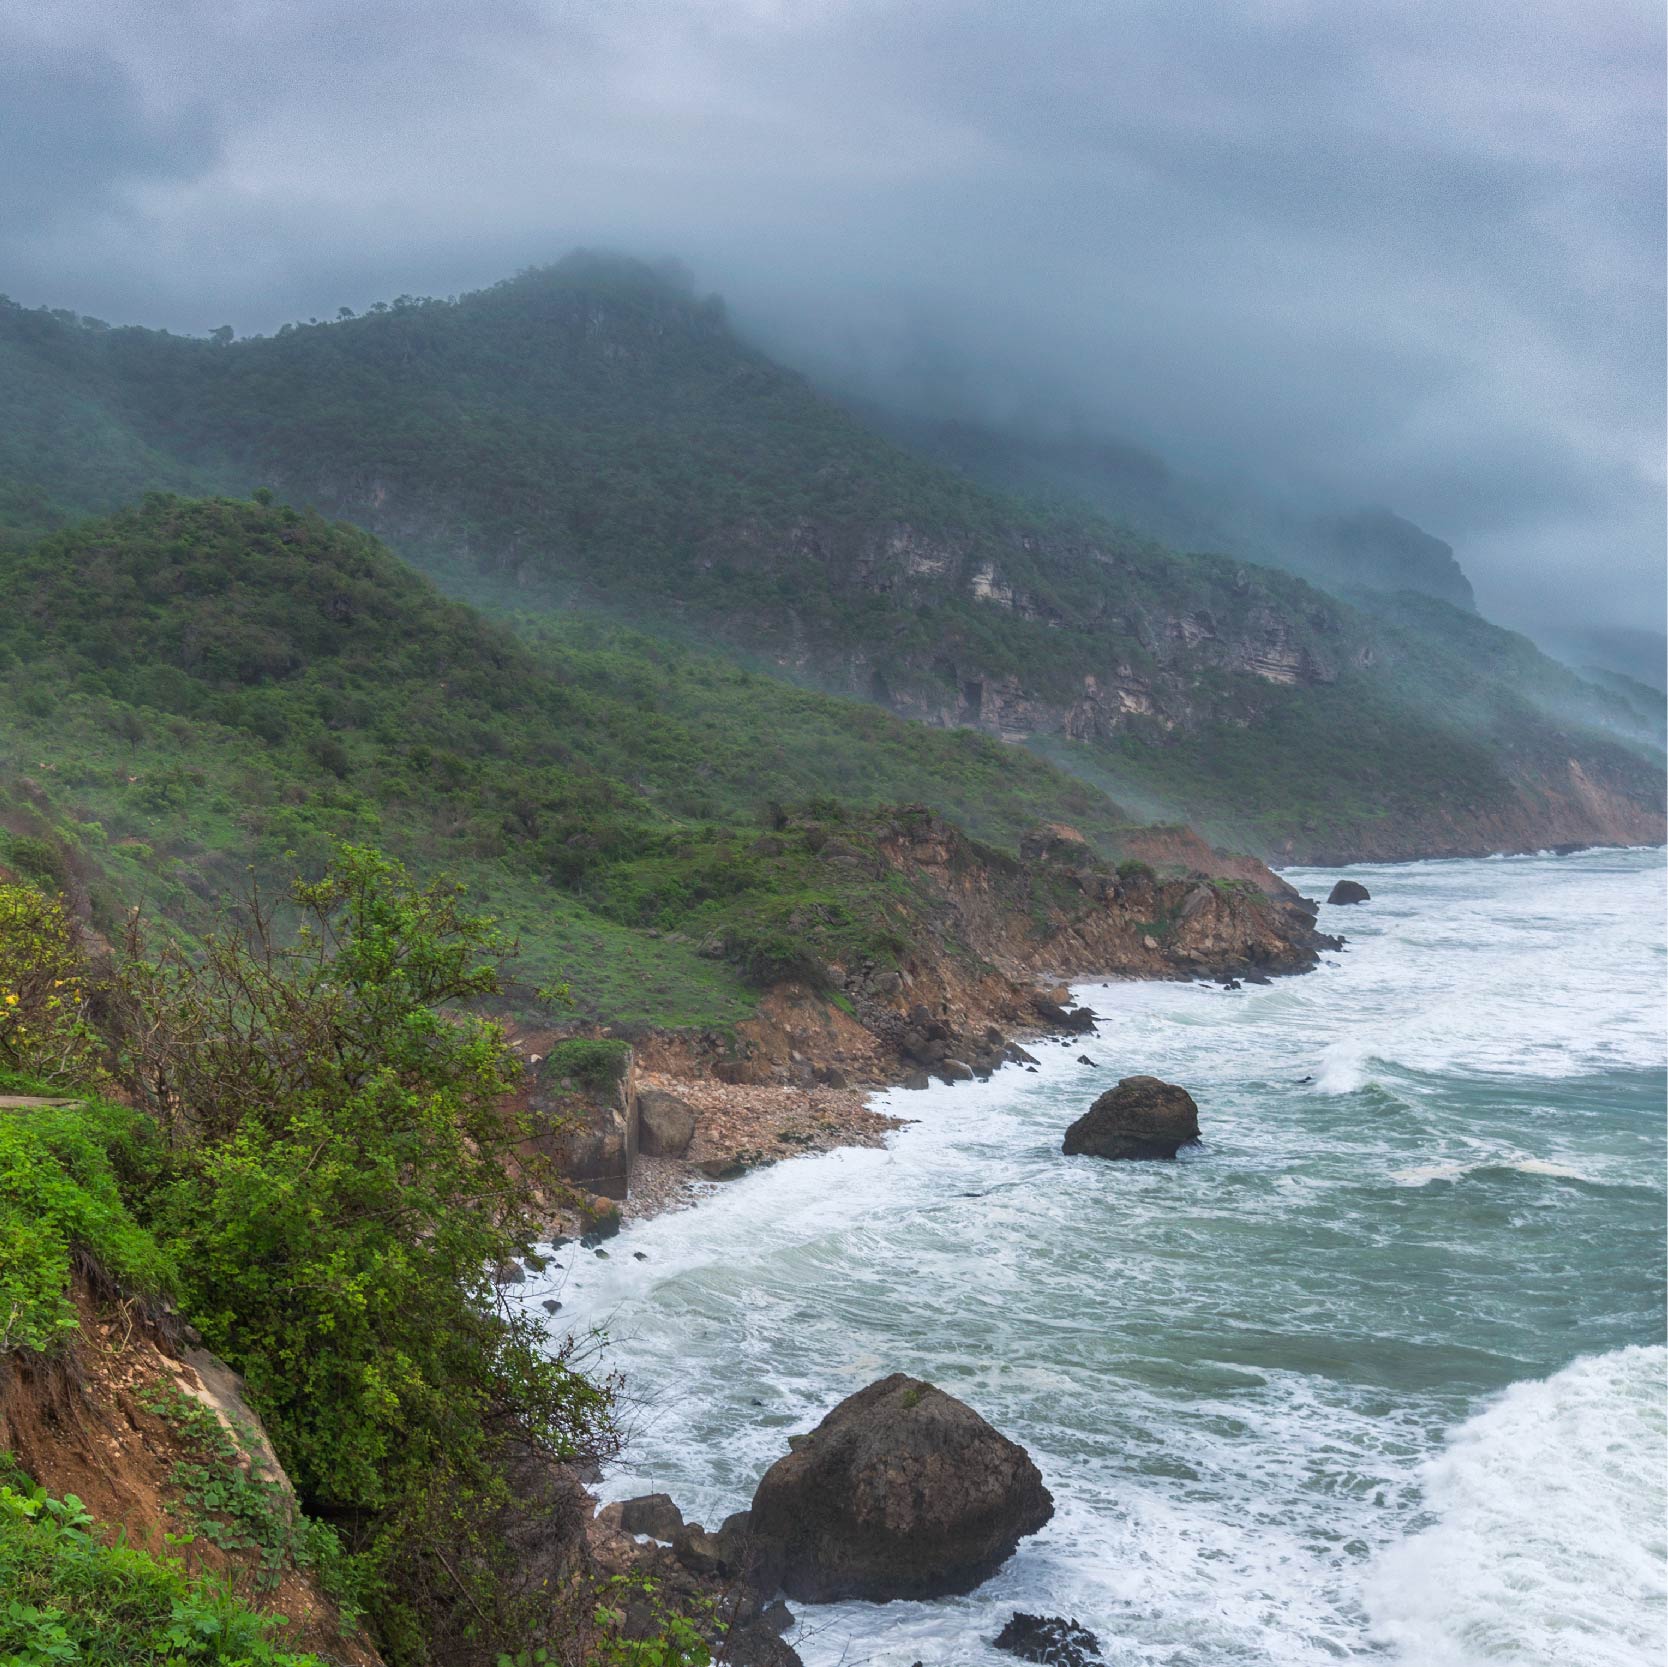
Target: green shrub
229,1501
44,1030
338,1190
68,1596
59,1198
594,1064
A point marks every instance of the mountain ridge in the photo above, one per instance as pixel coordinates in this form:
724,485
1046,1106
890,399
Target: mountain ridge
595,433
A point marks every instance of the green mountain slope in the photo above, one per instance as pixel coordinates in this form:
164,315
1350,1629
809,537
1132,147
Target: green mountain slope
1358,555
595,435
193,689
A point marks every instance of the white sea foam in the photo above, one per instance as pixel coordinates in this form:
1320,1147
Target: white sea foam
1233,1370
1548,1546
1419,1175
1345,1067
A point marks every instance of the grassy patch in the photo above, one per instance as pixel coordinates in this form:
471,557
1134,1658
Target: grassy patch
59,1199
69,1596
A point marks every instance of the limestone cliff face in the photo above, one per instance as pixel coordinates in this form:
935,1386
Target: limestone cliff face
1142,659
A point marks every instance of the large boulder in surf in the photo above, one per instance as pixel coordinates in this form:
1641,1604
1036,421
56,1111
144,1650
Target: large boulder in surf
653,1514
901,1491
1349,891
1140,1118
1049,1639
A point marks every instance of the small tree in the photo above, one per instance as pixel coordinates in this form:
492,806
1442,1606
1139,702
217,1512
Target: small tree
44,1030
343,1182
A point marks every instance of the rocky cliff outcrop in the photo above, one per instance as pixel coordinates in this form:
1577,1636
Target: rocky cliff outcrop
983,931
582,1103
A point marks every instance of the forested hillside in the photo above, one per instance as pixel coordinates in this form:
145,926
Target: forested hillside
595,436
193,689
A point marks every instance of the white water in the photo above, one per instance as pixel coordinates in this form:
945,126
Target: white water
1375,1374
1548,1543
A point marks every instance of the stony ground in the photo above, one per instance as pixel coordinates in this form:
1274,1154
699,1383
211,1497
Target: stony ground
740,1127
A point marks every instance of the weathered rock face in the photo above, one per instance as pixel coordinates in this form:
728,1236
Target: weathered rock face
1349,891
901,1492
665,1124
1140,1118
589,1114
1049,1639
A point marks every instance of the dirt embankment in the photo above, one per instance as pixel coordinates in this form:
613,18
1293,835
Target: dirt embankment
84,1420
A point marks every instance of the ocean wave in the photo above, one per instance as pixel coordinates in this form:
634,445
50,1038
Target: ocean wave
1547,1548
1420,1175
1345,1068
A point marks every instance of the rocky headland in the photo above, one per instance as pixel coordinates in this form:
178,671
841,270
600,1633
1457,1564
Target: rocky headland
989,943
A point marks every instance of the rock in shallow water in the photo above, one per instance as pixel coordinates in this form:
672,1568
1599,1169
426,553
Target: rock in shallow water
1349,891
653,1514
901,1492
1049,1639
1140,1118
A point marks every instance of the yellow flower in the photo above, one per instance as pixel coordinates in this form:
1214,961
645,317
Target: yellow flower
11,1001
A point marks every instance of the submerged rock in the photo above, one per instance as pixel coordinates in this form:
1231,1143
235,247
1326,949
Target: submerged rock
1049,1639
901,1492
1140,1118
1349,891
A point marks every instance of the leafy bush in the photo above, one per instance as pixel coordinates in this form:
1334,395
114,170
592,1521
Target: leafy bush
593,1064
232,1503
44,1030
59,1198
68,1596
337,1190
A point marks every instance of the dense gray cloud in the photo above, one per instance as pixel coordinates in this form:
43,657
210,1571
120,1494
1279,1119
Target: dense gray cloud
1408,252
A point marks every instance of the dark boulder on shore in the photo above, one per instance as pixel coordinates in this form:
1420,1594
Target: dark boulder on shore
1079,1021
653,1514
1349,891
1140,1118
666,1125
901,1491
1048,1639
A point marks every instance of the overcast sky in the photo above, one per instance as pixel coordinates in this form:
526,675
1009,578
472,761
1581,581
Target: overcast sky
1407,252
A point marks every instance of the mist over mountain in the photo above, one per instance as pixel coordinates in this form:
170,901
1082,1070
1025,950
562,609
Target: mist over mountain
597,436
1357,553
1408,257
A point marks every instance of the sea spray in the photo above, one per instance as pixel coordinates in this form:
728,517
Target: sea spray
1548,1541
1239,1372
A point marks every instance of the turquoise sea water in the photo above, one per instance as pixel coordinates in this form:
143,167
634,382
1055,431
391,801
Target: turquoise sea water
1377,1373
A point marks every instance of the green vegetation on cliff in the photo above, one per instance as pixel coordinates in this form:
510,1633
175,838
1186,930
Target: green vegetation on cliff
593,435
68,1595
192,689
316,1167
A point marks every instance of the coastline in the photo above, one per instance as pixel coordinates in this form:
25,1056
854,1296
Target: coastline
740,1127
